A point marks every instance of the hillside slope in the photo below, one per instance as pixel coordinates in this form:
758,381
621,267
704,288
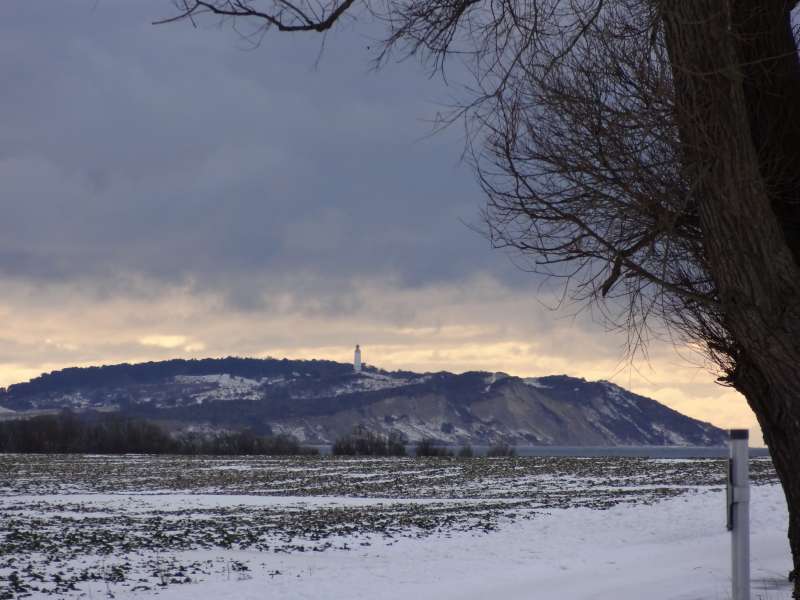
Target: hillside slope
317,401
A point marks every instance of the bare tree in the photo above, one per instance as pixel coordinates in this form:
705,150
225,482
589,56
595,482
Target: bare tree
647,152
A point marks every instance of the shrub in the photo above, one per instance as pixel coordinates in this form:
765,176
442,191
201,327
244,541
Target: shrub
395,445
244,442
501,449
362,442
466,451
428,447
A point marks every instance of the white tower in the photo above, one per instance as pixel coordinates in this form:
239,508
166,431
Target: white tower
357,360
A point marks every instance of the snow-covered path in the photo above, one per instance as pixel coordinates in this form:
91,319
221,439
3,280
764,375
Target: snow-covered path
677,549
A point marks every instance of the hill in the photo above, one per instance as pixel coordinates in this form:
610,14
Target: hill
318,401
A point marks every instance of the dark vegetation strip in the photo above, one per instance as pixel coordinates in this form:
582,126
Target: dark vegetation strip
66,433
362,442
69,433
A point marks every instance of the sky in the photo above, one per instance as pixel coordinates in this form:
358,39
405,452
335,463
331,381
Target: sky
172,191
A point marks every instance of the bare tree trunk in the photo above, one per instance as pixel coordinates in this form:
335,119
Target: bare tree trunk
752,264
781,434
767,52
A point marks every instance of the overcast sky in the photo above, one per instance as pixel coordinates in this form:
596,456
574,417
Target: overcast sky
168,191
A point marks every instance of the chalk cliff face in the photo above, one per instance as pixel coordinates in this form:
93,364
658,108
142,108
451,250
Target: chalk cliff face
317,401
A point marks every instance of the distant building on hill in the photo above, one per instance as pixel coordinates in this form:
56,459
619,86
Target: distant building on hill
357,360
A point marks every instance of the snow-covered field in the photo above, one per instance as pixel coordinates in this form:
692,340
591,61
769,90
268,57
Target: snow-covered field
406,529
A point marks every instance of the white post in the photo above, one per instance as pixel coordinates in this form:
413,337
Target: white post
739,513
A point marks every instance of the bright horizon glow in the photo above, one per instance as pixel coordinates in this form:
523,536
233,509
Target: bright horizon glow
486,330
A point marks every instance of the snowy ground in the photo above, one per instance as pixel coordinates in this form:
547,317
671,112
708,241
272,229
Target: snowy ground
324,528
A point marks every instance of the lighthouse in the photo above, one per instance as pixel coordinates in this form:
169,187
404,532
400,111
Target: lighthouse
357,360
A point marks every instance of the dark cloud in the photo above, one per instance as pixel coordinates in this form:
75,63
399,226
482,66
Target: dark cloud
175,153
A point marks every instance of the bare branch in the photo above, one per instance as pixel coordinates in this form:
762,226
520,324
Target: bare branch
286,16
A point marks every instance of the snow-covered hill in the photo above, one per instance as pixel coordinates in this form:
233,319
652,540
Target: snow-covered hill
318,401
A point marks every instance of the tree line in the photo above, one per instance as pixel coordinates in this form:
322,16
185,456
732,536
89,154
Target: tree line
113,434
363,442
68,433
